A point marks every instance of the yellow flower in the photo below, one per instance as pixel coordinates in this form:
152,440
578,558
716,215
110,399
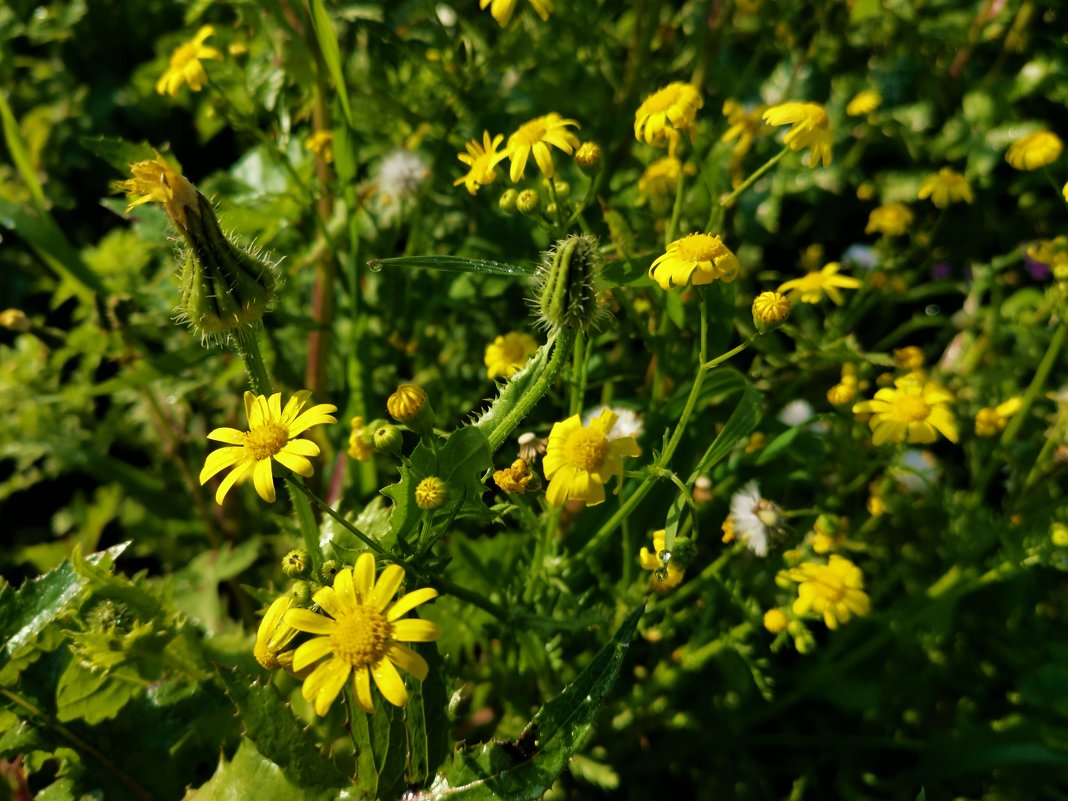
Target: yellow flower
665,577
834,590
908,358
321,143
359,441
864,102
506,355
810,128
842,393
535,137
661,179
430,493
155,181
775,621
1034,151
770,309
362,636
695,259
913,409
517,479
483,160
728,531
274,635
185,66
502,10
666,113
1051,252
272,435
744,127
406,402
893,219
579,461
811,287
990,421
945,187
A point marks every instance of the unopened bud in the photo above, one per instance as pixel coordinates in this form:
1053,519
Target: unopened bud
527,202
388,439
775,621
567,298
507,201
15,320
563,188
296,563
328,570
301,592
588,157
770,309
430,493
409,405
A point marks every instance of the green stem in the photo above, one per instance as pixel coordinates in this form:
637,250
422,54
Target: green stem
473,598
315,499
1048,360
578,374
562,348
728,201
676,210
248,348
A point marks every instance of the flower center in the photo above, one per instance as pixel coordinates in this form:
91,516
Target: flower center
699,247
586,449
361,636
266,440
912,408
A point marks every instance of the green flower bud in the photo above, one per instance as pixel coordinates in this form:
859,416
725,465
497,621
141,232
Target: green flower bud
388,439
566,295
563,188
507,201
301,592
329,570
296,563
430,493
588,157
528,202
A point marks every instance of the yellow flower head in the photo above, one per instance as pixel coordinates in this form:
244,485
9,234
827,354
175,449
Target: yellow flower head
864,102
728,531
908,358
580,460
991,420
430,493
665,576
360,635
155,181
1034,151
695,259
834,590
770,309
272,434
502,10
273,634
321,144
535,137
506,355
666,113
661,179
185,66
946,187
483,160
893,219
406,402
517,479
1051,252
810,128
913,409
842,393
743,127
810,288
359,441
775,621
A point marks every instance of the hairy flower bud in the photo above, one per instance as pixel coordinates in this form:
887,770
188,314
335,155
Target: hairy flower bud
409,405
507,201
566,295
328,570
296,563
527,202
430,493
770,309
588,157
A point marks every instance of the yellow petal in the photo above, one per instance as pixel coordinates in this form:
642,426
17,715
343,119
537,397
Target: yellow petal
345,587
312,651
363,576
219,460
361,685
305,620
232,478
264,480
409,602
415,630
390,683
407,659
386,586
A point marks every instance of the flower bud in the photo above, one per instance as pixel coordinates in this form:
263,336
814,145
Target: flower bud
15,320
388,439
1058,535
296,563
328,570
527,202
360,440
409,405
563,188
566,297
507,201
301,592
430,493
775,621
588,157
770,309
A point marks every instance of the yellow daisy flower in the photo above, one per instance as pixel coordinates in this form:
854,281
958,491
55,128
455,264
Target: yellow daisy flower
535,136
991,420
834,590
864,102
579,461
1034,151
185,66
506,355
660,179
893,219
946,187
664,577
912,410
274,635
810,288
482,159
502,10
360,635
272,435
695,259
743,127
666,113
810,128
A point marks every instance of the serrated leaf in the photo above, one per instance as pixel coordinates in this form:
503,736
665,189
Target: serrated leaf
251,775
526,769
26,611
117,152
94,696
276,734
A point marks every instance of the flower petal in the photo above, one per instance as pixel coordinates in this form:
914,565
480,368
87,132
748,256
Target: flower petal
231,436
387,585
416,630
409,602
232,478
363,576
312,651
331,685
302,447
219,460
264,480
293,407
306,620
390,683
298,464
407,659
361,686
345,589
329,600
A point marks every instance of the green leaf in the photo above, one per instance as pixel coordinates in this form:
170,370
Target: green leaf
457,264
251,775
94,695
429,731
327,38
509,394
270,726
21,156
527,768
117,152
25,612
743,419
